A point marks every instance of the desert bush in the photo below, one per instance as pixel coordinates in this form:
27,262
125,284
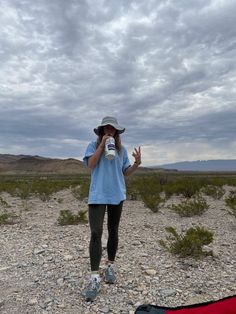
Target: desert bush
215,192
231,202
7,218
132,191
81,192
189,208
24,190
45,189
42,188
149,189
76,192
66,217
84,189
3,203
189,244
188,187
82,214
9,187
152,201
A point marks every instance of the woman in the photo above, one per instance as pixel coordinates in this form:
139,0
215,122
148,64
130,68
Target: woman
107,192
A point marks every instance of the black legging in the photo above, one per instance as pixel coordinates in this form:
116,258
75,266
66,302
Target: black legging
96,218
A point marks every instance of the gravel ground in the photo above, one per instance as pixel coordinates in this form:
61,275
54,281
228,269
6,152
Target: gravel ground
44,267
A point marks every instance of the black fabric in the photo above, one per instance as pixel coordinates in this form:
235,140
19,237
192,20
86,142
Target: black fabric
96,219
149,309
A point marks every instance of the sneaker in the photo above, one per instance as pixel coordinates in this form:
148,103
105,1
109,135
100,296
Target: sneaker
92,290
110,275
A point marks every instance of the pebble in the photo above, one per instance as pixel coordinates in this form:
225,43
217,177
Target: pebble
33,301
105,310
38,251
151,272
167,292
45,267
68,257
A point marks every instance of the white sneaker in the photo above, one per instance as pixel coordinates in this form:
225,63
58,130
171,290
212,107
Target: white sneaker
110,275
93,289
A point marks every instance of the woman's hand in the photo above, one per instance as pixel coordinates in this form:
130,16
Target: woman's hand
103,141
137,155
92,161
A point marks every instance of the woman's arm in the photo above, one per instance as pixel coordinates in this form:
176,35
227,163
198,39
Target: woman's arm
137,156
131,169
92,160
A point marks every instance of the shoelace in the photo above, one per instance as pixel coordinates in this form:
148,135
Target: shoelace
110,270
94,284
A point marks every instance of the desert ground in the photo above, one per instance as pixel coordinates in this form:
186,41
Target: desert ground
44,267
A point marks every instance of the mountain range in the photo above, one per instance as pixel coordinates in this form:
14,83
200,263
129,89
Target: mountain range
27,164
20,164
11,164
201,165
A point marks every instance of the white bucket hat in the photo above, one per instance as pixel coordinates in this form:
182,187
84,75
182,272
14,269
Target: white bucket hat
111,121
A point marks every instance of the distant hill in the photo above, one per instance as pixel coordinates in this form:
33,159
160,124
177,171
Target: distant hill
202,165
8,158
26,164
36,164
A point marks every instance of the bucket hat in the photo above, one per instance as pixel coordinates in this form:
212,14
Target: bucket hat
111,121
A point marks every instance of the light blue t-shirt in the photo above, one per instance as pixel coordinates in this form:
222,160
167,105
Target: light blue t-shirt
107,179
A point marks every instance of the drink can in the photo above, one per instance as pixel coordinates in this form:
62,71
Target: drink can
110,148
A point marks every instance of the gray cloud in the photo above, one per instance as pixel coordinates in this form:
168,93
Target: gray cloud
166,70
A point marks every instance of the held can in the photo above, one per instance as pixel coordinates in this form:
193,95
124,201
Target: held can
110,148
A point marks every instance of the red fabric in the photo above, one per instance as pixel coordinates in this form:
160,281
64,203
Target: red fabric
225,306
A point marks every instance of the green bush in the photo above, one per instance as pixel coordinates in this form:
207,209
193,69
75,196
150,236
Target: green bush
132,192
84,189
4,203
23,190
7,218
81,192
42,188
149,189
60,200
231,202
189,208
152,201
188,187
66,217
215,192
190,244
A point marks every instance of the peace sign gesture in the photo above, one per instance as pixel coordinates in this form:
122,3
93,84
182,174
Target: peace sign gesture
137,155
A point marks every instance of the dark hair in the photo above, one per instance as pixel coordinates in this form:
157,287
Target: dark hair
116,137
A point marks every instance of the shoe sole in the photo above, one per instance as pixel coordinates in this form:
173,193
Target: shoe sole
87,299
90,299
111,282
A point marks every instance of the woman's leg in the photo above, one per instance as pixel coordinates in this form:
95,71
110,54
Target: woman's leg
96,218
113,220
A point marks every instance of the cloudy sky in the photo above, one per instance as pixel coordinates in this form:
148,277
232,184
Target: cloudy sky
166,69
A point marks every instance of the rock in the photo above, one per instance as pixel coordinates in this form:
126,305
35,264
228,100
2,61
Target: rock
60,282
33,301
4,268
105,309
151,272
68,257
138,304
38,251
168,292
195,300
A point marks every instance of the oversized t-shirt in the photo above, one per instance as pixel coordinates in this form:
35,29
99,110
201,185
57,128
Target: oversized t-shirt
107,179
